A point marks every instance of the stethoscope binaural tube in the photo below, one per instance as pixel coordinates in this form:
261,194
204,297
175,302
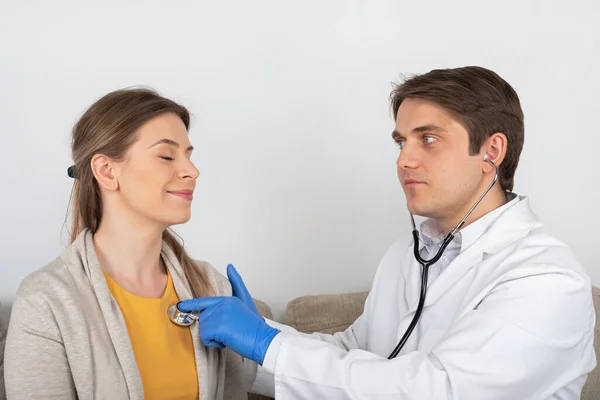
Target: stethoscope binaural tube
425,264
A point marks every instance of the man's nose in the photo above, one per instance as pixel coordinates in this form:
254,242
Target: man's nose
408,157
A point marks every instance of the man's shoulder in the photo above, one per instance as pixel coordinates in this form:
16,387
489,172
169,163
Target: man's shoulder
543,249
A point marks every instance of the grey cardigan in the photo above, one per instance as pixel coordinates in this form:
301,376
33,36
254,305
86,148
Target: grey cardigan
67,337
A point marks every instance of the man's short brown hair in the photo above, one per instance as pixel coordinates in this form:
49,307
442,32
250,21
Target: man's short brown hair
482,101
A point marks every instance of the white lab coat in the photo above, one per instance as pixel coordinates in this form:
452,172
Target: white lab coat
510,318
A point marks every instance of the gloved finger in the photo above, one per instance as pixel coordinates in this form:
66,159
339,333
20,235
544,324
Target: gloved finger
204,318
199,304
239,289
214,343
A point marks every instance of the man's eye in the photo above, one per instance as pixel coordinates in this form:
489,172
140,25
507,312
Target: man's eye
429,139
400,143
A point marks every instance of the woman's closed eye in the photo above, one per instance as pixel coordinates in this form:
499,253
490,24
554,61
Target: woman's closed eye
167,158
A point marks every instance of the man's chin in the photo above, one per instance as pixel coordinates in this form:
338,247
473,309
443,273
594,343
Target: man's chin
414,209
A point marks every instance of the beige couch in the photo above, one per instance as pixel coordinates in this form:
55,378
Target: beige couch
333,313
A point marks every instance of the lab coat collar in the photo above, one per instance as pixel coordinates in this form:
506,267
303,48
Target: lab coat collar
514,223
432,234
472,232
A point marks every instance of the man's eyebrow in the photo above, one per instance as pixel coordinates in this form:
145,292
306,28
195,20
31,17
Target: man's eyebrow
171,143
428,128
397,135
419,129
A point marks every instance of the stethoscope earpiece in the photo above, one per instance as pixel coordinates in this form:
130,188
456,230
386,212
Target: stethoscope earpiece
179,317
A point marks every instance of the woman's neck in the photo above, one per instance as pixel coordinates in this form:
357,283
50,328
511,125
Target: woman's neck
130,254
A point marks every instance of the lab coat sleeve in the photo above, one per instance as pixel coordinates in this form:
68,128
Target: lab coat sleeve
517,343
35,361
346,339
264,382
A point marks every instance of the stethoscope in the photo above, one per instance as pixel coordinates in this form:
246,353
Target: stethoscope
182,318
425,264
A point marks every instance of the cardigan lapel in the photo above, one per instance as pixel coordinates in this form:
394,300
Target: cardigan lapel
210,363
111,312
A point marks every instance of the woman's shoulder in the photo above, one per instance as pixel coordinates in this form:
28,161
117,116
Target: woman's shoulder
61,277
51,279
41,296
219,281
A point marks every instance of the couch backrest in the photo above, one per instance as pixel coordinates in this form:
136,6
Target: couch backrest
263,309
328,313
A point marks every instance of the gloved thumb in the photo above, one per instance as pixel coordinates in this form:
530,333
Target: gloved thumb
238,288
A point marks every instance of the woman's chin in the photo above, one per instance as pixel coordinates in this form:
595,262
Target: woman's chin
177,219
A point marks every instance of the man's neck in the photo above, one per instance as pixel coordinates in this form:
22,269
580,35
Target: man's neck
494,199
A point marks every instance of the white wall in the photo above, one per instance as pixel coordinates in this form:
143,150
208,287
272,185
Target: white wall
292,123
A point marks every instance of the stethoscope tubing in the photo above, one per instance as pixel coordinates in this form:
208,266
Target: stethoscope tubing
425,264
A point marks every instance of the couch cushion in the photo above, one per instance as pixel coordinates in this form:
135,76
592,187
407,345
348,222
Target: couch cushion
328,313
591,390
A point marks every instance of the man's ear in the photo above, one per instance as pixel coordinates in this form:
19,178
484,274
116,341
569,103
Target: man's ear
495,149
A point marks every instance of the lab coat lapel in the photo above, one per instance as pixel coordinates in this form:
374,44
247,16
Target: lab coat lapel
412,288
455,271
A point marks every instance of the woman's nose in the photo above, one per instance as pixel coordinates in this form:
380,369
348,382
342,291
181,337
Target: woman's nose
190,170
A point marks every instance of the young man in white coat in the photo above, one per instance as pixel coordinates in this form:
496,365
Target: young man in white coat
508,311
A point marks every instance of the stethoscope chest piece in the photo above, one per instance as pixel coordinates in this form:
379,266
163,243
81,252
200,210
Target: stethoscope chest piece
181,318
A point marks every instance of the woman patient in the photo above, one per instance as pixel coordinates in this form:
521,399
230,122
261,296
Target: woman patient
93,323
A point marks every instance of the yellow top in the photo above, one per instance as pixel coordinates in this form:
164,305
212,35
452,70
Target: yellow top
164,352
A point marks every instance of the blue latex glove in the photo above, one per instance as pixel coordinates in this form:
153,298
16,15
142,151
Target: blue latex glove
228,321
239,289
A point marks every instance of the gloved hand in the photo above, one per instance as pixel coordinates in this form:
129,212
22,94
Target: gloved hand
239,289
227,321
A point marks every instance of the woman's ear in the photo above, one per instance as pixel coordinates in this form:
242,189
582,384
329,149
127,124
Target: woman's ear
103,172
